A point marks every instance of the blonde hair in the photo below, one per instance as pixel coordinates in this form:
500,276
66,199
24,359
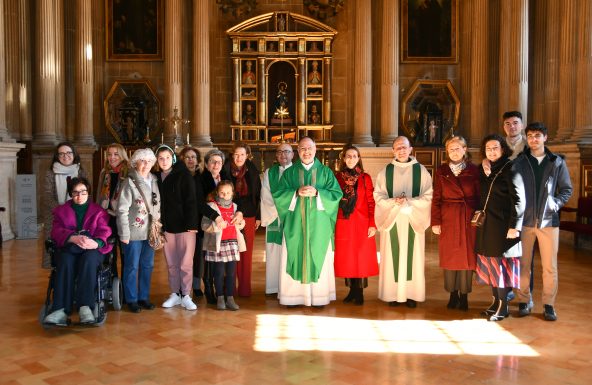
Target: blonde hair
460,140
121,151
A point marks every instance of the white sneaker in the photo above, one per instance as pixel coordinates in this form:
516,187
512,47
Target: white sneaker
173,300
187,303
58,317
86,315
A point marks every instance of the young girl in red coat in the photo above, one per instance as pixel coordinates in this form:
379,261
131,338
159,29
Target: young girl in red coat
355,245
223,244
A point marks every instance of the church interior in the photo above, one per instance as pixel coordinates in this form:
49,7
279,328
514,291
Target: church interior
209,73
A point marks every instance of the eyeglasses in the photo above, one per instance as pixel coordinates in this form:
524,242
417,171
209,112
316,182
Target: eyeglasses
283,152
190,157
79,193
211,161
65,154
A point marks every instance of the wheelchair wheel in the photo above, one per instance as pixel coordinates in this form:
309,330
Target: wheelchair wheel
116,293
100,313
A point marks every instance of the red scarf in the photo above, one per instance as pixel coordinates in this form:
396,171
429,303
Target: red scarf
240,184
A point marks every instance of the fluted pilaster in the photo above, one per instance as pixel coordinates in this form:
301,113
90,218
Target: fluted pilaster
84,73
389,75
301,117
567,70
3,130
49,94
552,22
327,86
537,98
201,74
236,91
173,65
479,68
363,74
24,59
583,129
513,69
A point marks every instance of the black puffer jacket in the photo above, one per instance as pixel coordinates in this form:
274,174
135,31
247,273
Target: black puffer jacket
178,205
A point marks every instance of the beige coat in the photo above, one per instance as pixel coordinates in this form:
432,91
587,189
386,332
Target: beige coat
213,234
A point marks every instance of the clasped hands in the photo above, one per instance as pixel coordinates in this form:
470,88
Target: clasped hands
237,218
307,191
84,242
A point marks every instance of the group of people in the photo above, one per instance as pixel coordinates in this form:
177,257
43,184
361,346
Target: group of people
319,224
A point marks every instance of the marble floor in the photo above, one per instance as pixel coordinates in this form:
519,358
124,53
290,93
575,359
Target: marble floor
265,343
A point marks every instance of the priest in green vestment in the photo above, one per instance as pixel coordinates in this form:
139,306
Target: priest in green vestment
403,196
307,200
270,219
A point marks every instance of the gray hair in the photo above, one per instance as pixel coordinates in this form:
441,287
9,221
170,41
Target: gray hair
214,152
143,154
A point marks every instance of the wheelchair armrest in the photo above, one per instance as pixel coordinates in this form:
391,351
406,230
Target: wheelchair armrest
111,240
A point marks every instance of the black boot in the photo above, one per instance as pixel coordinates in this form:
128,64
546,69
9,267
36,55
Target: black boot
359,296
493,306
463,303
350,296
209,284
454,299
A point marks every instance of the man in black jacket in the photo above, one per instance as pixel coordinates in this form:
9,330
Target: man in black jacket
548,187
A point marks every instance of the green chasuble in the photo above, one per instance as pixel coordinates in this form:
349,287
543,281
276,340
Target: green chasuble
307,229
274,229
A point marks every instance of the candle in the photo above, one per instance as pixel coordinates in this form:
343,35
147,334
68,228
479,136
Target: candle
162,138
187,138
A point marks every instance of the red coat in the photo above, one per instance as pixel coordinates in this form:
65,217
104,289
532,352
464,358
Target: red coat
453,203
355,253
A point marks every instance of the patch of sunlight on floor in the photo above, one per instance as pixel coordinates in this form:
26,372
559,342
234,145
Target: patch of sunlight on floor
278,333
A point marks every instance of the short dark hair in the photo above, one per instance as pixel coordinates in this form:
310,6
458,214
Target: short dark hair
512,114
536,126
76,181
506,150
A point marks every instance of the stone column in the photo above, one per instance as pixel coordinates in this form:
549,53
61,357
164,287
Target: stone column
363,74
49,94
479,69
537,104
3,130
513,68
24,60
172,66
262,96
389,75
84,74
567,70
551,20
583,128
201,74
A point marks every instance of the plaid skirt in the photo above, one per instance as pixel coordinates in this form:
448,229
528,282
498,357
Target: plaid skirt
228,252
498,271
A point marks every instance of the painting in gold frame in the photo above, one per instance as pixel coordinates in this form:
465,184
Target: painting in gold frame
429,31
134,30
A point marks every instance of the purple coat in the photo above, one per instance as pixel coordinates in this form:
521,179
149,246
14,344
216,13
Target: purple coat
96,222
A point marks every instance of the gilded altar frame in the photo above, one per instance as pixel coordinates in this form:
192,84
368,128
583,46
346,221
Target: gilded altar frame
281,89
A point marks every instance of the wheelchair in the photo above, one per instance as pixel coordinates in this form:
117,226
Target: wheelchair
109,288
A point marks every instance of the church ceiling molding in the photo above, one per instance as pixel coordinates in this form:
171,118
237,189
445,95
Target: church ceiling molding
237,8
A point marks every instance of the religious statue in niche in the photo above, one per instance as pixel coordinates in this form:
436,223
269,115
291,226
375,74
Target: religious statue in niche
313,46
290,46
248,47
281,23
281,113
314,117
249,114
314,76
248,74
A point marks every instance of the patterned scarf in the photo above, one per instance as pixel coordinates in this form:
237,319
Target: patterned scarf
106,187
240,186
350,191
457,168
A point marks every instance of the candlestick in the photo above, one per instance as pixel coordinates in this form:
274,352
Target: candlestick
188,139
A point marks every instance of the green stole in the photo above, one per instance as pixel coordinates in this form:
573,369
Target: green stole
411,233
303,216
274,229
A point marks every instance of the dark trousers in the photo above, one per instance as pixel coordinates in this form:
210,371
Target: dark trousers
198,262
76,277
224,277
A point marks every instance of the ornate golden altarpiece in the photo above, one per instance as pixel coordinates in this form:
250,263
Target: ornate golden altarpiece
281,90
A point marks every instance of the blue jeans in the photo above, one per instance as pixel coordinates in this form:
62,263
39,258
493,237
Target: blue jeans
139,257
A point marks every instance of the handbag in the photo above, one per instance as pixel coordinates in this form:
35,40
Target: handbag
479,216
156,238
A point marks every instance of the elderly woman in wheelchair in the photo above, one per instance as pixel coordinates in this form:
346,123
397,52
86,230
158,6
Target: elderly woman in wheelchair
80,231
